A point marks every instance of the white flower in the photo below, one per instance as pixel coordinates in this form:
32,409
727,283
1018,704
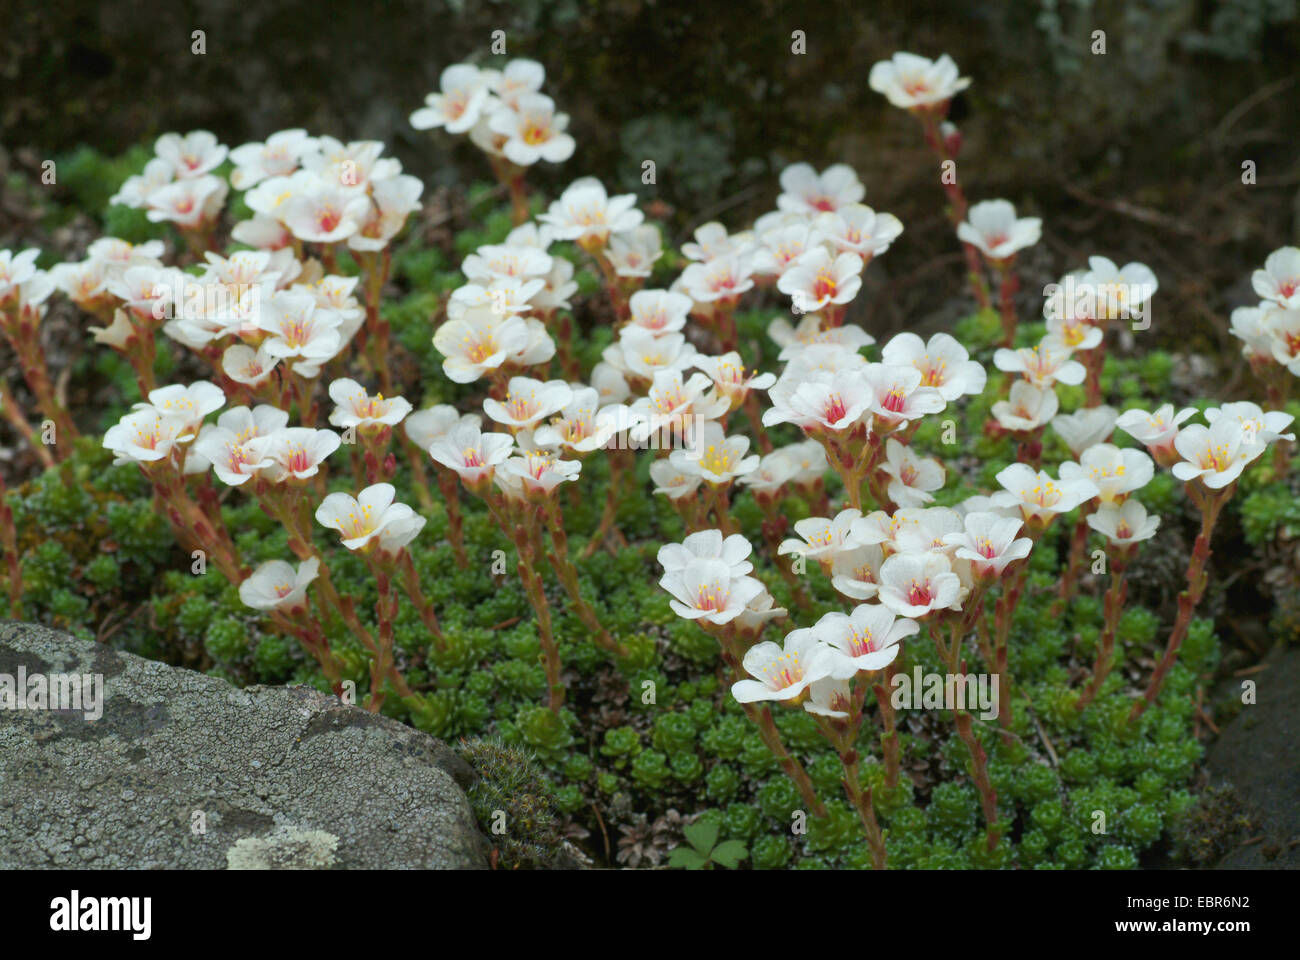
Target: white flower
528,402
670,401
1037,495
463,97
473,454
1119,291
401,527
518,78
188,404
582,425
855,572
326,213
298,452
829,697
856,228
356,408
136,191
910,81
823,538
1281,328
234,458
708,545
1247,325
805,191
809,333
279,156
1027,408
719,459
1216,455
145,435
477,341
299,329
672,482
781,246
864,640
712,240
558,287
246,365
837,402
276,585
783,673
914,584
188,203
1155,430
120,255
773,472
993,228
433,423
728,375
809,459
1072,333
634,253
1085,427
533,131
943,362
502,295
16,269
912,478
898,394
659,311
925,530
758,611
988,540
641,353
192,155
362,518
816,280
537,471
585,212
1123,524
504,260
1043,365
1279,281
1256,425
1115,472
704,589
393,200
722,278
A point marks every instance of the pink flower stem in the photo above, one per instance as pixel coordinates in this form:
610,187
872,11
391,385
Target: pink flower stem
957,206
1211,503
568,575
25,430
951,654
1008,287
761,717
1113,609
1073,563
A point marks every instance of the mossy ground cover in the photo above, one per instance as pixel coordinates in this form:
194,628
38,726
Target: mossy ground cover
646,745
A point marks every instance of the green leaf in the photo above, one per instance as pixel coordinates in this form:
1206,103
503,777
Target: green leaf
702,836
686,857
729,853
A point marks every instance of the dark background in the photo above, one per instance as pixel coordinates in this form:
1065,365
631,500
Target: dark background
1136,154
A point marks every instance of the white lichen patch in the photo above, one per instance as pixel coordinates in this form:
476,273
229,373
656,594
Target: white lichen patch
285,848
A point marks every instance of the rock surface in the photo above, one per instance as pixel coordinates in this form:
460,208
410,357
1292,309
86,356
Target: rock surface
1257,754
278,777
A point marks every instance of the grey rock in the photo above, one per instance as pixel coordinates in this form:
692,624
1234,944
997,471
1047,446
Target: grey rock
282,777
1257,755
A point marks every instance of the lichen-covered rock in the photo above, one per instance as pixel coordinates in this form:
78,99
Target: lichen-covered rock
186,771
